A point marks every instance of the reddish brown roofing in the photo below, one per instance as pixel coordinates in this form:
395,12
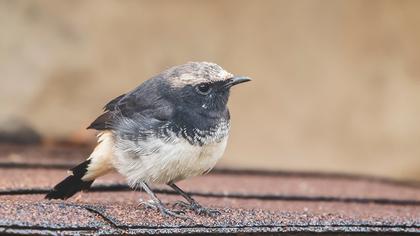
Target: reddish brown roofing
250,201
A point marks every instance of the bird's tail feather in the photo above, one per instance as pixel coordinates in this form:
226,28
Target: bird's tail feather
72,184
99,163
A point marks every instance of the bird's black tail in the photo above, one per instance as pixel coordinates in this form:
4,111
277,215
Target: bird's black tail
72,184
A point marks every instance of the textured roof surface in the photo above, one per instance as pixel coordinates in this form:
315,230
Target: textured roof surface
250,201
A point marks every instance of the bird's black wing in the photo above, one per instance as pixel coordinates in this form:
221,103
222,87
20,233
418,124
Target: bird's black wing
110,106
102,122
138,106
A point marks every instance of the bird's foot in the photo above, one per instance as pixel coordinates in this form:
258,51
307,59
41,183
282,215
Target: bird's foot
148,204
163,210
198,209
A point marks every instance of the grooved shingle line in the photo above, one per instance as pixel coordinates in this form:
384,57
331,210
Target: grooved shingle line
237,172
267,197
19,165
101,214
186,228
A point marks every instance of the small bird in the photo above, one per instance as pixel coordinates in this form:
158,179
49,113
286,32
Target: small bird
171,127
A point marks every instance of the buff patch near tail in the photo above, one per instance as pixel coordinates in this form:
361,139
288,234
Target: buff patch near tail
82,176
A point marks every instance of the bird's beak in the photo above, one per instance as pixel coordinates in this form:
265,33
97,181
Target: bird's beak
236,80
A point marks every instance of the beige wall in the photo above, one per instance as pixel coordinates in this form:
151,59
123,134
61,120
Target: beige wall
336,83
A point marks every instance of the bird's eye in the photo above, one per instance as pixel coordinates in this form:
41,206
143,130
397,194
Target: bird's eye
203,89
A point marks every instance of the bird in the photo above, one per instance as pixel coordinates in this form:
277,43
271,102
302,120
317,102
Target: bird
171,127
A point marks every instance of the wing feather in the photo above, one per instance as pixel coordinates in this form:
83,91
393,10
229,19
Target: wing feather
144,101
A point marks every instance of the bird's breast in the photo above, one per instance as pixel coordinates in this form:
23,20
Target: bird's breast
200,136
172,157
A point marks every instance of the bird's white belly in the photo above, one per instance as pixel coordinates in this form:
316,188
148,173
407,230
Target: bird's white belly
162,162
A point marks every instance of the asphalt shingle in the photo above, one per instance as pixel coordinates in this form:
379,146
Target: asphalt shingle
250,202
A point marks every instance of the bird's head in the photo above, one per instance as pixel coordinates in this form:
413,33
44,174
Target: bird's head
201,87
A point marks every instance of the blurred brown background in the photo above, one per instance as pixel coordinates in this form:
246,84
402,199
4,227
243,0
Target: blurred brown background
336,83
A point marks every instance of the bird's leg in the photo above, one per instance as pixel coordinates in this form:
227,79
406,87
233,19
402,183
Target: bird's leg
193,204
157,203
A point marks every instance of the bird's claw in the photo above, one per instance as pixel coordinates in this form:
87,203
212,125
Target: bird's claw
197,208
163,210
207,212
182,205
179,214
148,204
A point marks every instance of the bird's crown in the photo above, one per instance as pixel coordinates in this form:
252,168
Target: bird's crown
193,73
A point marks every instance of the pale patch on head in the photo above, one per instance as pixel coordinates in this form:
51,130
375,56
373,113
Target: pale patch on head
194,73
187,78
224,75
